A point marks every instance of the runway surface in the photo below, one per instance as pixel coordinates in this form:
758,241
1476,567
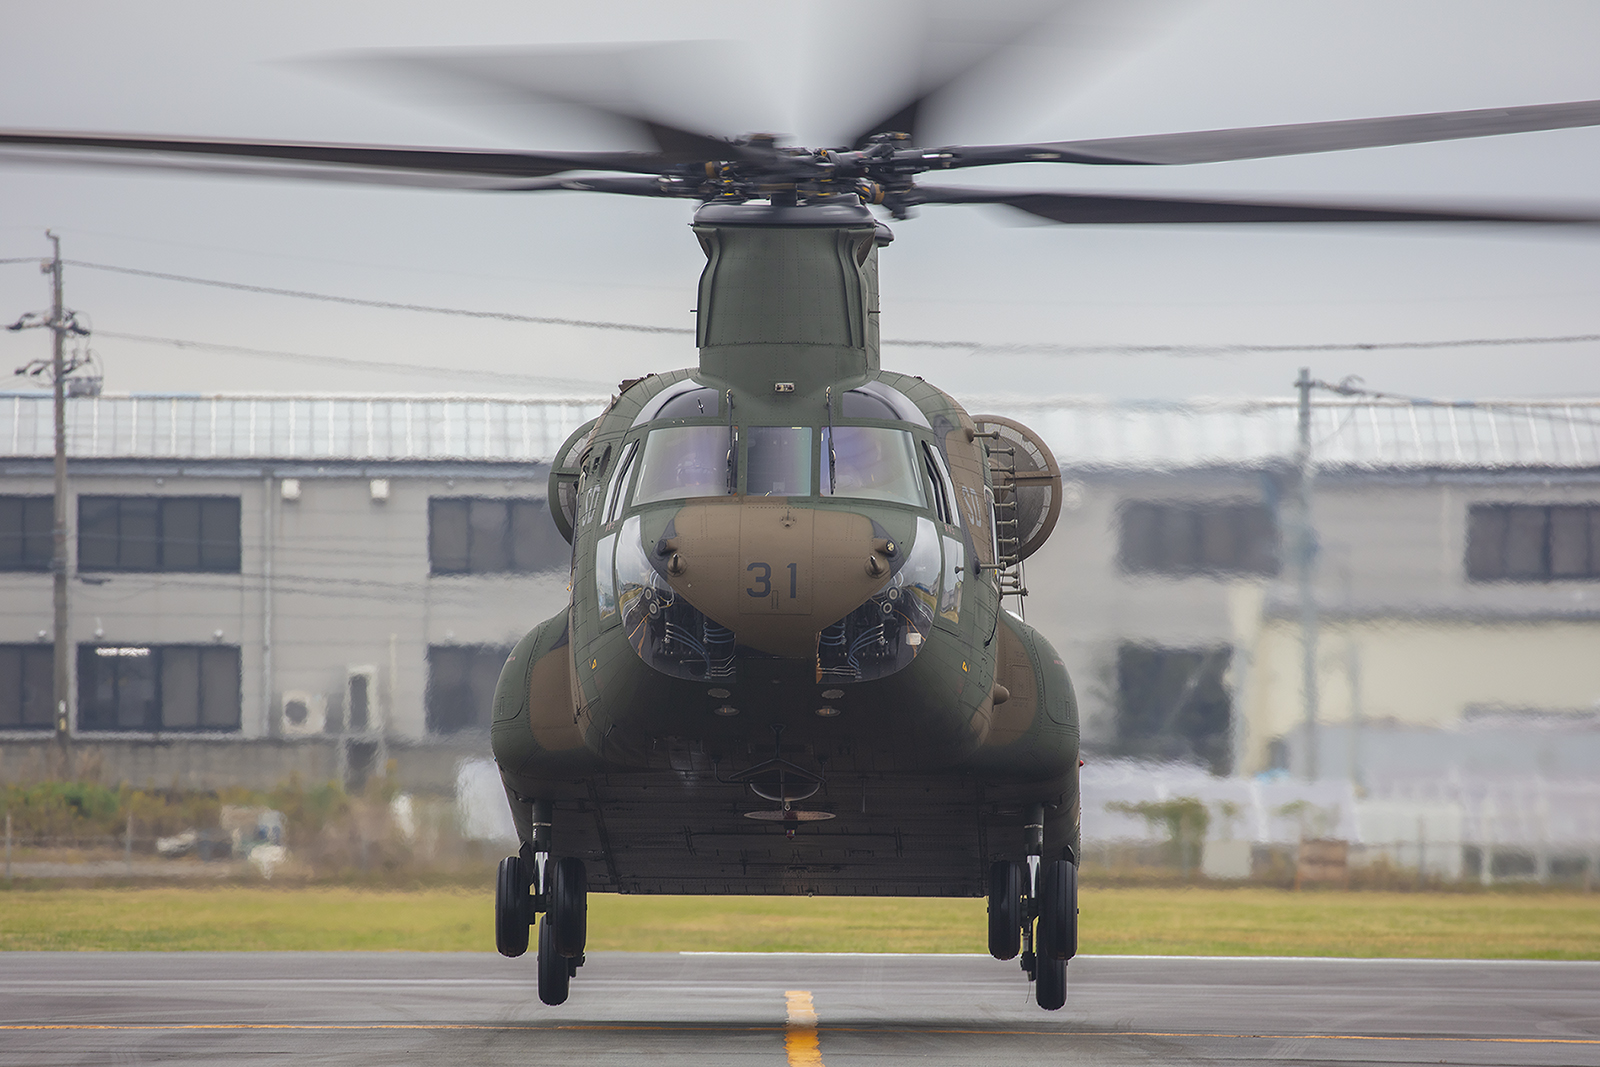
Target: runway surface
838,1010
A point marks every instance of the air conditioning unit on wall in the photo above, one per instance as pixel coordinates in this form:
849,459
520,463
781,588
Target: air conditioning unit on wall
304,714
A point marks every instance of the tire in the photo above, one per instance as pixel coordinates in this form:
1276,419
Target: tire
1058,910
1050,987
555,971
568,910
1005,909
513,907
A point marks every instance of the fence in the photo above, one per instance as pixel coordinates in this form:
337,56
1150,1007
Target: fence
1483,829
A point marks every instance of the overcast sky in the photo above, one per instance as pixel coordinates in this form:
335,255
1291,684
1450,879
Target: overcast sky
204,68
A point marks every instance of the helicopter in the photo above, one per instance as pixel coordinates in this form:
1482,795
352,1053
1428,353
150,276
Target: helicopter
787,666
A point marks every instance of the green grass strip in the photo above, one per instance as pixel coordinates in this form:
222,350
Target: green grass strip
1159,921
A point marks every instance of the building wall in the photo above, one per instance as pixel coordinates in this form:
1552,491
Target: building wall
1390,546
1429,673
338,579
331,580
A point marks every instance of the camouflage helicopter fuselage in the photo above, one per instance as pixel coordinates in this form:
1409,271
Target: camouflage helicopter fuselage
785,667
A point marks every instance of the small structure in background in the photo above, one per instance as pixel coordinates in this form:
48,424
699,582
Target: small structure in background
1482,828
257,835
1322,861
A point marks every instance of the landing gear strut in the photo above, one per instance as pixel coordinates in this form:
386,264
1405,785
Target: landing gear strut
563,898
1046,891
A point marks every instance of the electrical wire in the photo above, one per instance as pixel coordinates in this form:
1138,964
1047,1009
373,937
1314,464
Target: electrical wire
509,377
386,305
1039,347
1064,349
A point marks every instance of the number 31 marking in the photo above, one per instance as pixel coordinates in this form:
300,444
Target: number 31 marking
763,586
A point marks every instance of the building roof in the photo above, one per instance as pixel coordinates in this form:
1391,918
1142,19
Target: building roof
493,428
1083,433
1351,433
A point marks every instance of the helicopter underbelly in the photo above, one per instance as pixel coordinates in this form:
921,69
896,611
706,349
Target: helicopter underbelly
667,795
891,835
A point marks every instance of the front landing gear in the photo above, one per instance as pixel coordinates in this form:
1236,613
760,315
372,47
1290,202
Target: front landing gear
562,896
513,906
564,929
1046,891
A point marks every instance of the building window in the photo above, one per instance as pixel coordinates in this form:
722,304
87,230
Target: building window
27,679
181,688
1173,704
159,533
1533,542
483,535
1197,538
461,682
27,524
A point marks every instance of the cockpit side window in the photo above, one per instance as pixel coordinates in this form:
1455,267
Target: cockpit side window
871,463
942,499
683,461
947,486
619,482
779,462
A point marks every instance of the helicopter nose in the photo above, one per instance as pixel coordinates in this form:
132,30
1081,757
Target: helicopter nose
773,573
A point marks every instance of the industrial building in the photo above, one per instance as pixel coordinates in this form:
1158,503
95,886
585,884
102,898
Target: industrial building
318,585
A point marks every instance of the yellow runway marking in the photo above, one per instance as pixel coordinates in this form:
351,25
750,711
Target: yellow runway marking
801,1030
800,1038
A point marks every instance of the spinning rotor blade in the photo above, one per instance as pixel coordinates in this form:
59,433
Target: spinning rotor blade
953,52
447,167
908,110
1092,209
618,82
1259,142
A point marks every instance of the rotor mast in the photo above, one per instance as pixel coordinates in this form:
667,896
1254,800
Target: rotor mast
790,293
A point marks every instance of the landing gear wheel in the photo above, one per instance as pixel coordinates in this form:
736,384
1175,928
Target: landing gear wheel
568,914
1050,987
513,907
1005,909
1058,911
555,970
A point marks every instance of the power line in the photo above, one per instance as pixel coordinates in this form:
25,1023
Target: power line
1064,349
387,305
1060,348
509,377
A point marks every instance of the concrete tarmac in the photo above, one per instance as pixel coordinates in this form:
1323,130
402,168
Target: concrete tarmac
775,1009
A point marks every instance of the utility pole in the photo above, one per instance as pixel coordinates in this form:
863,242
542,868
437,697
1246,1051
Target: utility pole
1305,557
60,322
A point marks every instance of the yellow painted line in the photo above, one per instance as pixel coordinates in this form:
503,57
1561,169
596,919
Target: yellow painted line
800,1038
324,1027
1233,1037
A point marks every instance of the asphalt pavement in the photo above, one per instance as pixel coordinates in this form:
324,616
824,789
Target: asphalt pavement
799,1009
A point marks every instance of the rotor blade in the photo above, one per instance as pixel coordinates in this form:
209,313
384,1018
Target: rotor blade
1093,209
627,186
618,82
905,114
379,163
1259,142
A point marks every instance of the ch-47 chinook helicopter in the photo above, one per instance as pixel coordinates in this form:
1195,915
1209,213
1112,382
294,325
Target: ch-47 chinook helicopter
785,666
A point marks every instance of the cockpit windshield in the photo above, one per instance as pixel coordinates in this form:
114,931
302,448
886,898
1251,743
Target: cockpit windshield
780,461
683,461
870,463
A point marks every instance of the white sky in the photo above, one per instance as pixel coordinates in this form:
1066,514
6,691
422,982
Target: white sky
202,68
